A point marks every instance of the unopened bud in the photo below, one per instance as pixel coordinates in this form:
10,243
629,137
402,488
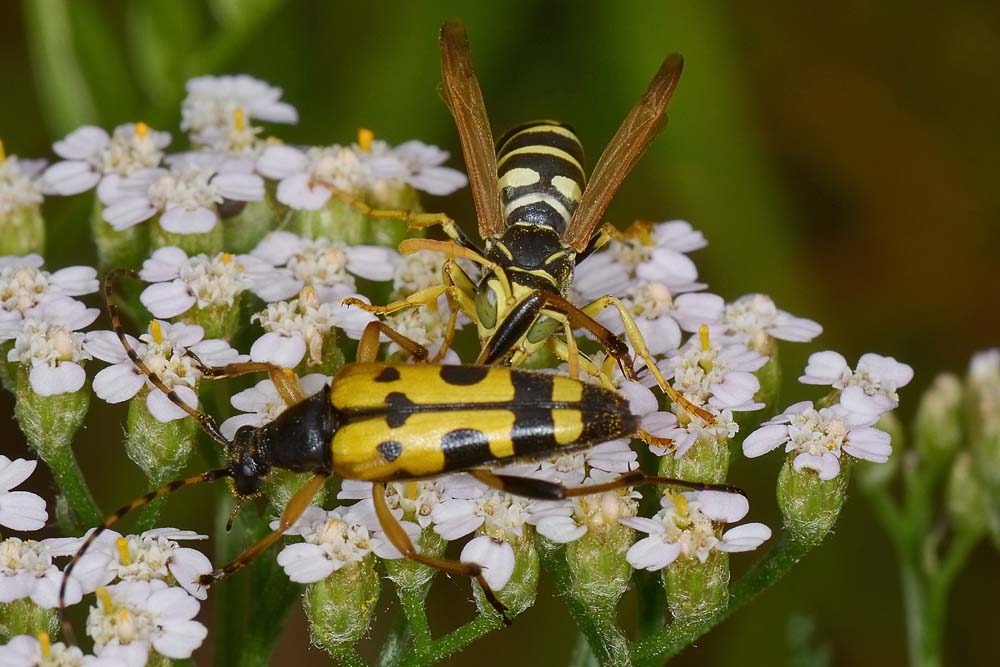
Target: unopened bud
518,594
706,461
280,485
24,617
49,423
209,243
810,505
965,499
410,575
245,227
160,449
938,423
340,608
697,590
337,221
983,401
397,196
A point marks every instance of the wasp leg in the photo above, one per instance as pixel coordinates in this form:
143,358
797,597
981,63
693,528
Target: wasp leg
293,510
642,351
368,346
399,539
540,489
587,365
413,219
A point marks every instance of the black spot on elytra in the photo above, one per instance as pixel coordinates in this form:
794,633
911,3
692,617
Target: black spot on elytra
390,450
388,374
464,376
398,408
465,448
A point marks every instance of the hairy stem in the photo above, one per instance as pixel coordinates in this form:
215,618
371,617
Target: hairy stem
73,487
454,641
412,601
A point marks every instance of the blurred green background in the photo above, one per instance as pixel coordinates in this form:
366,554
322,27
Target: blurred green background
841,157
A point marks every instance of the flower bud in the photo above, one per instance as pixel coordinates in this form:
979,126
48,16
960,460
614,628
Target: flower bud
983,403
938,424
397,196
24,617
340,608
280,485
244,224
706,461
48,422
337,220
518,594
599,573
160,449
124,249
965,499
808,504
210,242
22,231
697,590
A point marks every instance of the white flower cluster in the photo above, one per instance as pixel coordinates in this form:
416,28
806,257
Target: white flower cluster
146,585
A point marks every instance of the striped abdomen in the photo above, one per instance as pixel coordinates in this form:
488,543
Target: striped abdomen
540,167
419,420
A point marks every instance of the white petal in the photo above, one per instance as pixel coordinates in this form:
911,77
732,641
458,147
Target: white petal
76,280
82,143
181,333
240,187
22,510
294,191
129,212
826,465
167,299
679,235
869,444
496,558
110,191
277,247
384,548
669,267
164,410
180,640
764,439
118,383
305,563
183,221
372,262
233,424
104,345
65,378
13,472
280,349
560,529
642,401
215,352
886,369
652,553
856,400
744,538
824,368
187,565
794,329
280,162
69,178
693,310
438,181
722,506
282,285
164,264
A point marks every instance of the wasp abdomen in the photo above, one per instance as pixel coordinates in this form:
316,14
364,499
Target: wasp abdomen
540,167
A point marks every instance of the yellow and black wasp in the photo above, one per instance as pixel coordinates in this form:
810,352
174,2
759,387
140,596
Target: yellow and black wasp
539,217
388,422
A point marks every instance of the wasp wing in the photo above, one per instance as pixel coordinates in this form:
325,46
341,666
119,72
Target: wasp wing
631,140
465,101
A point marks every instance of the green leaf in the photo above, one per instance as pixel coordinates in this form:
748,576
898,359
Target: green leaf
102,60
67,101
163,34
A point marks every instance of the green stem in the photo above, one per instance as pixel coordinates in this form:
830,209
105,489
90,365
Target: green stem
396,644
582,655
914,609
412,601
455,641
348,656
73,487
772,567
597,624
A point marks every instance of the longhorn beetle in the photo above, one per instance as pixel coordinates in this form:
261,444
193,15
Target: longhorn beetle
539,219
386,422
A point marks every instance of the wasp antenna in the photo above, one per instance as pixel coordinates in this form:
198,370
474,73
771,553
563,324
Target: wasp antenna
207,423
114,518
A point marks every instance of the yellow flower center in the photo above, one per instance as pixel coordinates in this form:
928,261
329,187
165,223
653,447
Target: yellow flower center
141,130
365,138
105,598
122,545
44,644
239,120
156,331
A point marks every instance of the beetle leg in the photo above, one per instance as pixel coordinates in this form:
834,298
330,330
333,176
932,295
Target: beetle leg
540,489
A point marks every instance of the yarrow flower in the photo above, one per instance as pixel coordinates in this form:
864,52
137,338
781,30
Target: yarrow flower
820,438
218,110
327,266
19,510
92,157
869,389
49,343
415,163
26,651
690,526
305,176
334,539
27,571
154,554
753,317
23,283
164,350
180,283
261,404
142,615
20,185
186,196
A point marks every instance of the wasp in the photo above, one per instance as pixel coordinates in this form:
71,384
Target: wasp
383,422
539,218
